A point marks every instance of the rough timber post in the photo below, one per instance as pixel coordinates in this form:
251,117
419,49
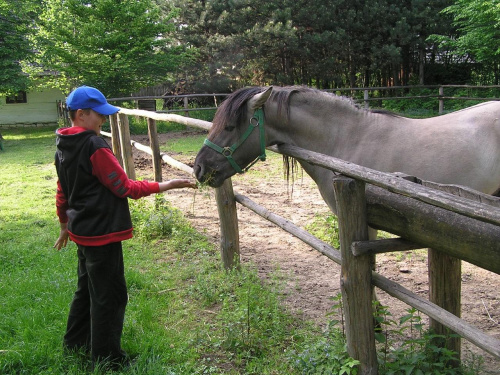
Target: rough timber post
445,287
128,159
355,278
155,149
115,138
229,235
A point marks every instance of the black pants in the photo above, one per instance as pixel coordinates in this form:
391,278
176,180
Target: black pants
97,312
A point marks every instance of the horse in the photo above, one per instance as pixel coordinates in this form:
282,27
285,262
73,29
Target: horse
461,148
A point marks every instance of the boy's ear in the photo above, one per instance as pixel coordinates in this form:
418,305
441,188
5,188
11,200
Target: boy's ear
79,117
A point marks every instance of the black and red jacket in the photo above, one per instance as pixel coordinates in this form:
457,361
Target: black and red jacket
93,188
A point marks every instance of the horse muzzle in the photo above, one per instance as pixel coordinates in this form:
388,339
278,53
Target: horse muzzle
206,173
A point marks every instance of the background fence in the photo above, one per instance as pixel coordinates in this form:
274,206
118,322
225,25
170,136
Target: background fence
455,227
369,95
187,103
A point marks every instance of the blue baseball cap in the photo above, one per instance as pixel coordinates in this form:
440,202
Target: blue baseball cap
85,97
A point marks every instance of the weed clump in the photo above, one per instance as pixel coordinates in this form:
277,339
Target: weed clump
155,222
404,347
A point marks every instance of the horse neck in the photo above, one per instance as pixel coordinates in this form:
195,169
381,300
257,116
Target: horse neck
314,125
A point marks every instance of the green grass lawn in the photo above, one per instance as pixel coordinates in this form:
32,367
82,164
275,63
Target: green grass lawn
186,315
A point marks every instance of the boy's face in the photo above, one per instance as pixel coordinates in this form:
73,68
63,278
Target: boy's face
91,120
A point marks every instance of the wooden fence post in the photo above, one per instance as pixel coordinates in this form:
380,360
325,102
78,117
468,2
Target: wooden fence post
445,287
115,138
229,235
355,278
186,106
441,101
126,147
155,149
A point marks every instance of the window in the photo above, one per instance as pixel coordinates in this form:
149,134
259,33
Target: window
20,97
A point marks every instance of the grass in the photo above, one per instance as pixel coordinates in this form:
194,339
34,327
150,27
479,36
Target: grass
186,315
184,145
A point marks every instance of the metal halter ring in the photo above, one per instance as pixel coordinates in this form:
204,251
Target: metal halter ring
227,151
254,121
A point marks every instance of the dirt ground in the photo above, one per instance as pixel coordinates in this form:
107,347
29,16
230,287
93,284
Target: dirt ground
311,278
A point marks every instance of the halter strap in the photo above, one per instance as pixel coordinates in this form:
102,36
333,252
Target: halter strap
257,120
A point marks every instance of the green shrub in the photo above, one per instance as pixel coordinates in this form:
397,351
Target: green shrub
156,223
404,348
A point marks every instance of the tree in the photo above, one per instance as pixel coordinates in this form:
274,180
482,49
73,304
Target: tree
478,22
15,25
118,46
325,43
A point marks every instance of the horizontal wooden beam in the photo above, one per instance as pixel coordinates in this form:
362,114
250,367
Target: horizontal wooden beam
457,235
168,117
383,246
288,226
459,227
392,183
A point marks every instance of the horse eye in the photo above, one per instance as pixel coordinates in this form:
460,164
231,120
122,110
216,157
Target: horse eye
229,128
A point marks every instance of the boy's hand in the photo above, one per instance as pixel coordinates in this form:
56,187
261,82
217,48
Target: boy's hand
177,184
62,241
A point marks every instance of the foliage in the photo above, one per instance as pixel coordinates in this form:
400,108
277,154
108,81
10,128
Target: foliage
326,228
117,46
329,354
479,24
405,348
160,223
425,102
327,44
15,25
218,45
414,106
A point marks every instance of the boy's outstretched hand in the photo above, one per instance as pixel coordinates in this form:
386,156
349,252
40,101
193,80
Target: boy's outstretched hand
177,184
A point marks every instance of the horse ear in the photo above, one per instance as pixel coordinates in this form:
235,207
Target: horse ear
260,99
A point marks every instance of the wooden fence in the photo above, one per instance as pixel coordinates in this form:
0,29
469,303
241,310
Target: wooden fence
368,96
150,101
456,223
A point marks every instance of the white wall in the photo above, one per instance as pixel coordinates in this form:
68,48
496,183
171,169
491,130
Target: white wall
40,108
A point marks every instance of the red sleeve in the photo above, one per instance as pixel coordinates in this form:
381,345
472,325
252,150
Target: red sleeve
106,168
61,204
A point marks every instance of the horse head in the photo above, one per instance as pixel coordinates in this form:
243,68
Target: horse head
237,138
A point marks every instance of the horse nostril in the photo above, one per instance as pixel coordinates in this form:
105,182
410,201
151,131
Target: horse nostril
197,170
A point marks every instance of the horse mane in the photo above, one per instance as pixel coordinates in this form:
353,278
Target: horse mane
231,109
282,96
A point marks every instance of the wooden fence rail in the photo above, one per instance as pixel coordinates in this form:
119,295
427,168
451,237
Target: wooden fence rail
468,229
367,92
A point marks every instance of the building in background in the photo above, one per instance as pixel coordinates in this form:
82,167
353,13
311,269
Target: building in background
32,108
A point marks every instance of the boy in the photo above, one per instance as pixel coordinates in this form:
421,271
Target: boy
92,207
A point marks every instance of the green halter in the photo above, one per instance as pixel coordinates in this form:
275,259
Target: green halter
257,120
